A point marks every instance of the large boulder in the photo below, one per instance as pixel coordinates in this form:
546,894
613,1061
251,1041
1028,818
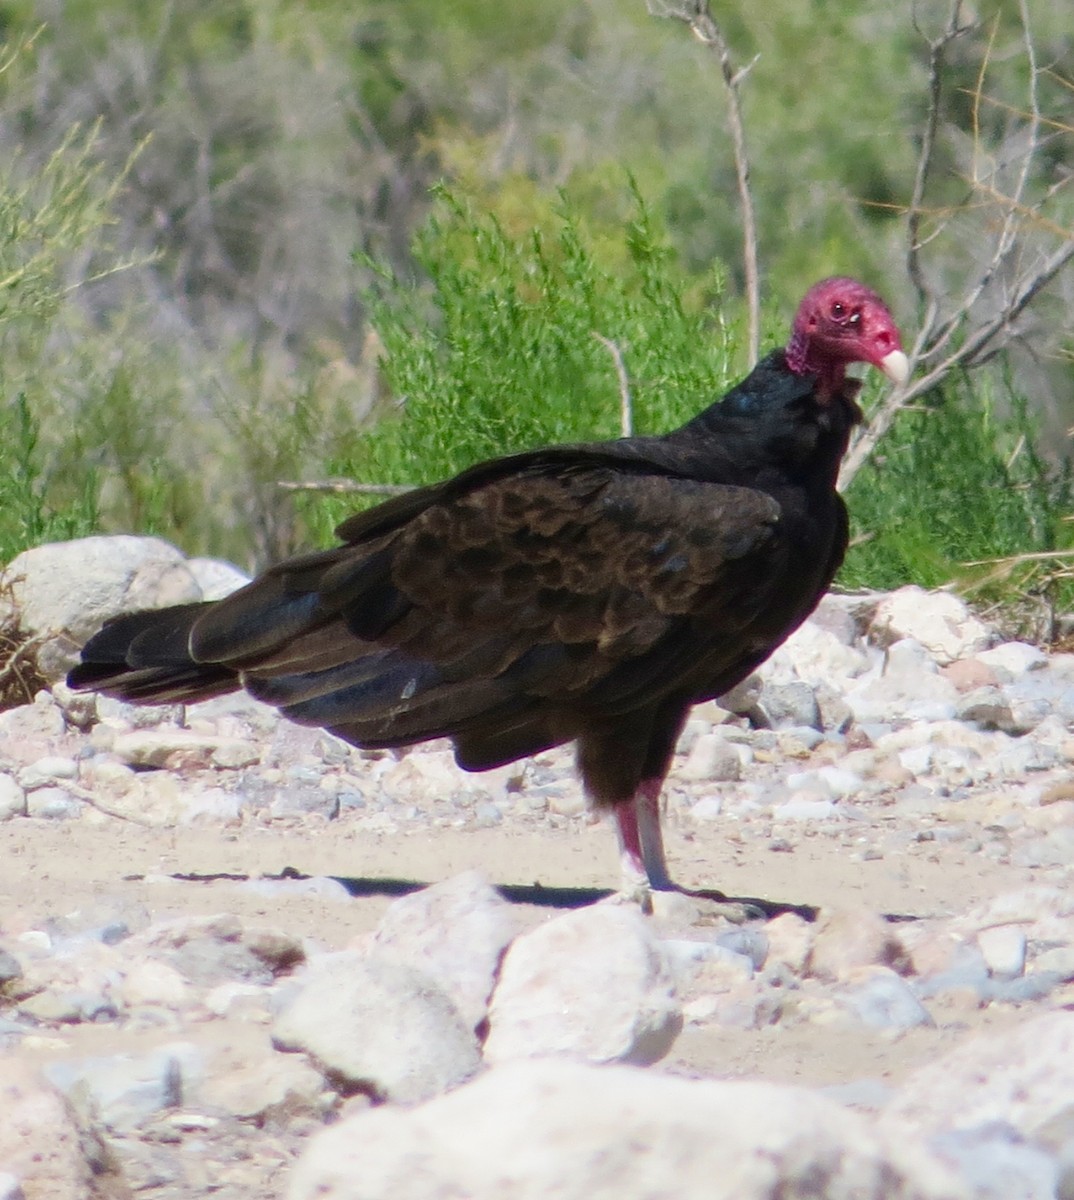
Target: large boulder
540,1128
377,1026
46,1151
456,932
940,621
593,984
63,592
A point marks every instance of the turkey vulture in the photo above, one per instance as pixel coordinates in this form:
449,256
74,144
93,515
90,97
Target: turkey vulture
588,593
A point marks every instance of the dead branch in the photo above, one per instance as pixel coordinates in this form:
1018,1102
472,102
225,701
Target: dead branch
696,14
1014,560
345,485
626,405
937,59
19,655
957,334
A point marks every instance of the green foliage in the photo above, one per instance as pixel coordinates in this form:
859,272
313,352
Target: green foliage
957,484
270,140
28,519
500,346
495,351
47,216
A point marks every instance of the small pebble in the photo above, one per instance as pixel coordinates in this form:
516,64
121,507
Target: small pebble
890,732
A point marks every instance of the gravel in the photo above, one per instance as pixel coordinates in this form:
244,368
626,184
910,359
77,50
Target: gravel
885,727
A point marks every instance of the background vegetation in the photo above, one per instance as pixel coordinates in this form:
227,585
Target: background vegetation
223,263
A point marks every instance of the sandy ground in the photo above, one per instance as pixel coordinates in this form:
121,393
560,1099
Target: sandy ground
52,869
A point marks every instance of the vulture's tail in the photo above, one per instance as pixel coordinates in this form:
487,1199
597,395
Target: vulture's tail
145,658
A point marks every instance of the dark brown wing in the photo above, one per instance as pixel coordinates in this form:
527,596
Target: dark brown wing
504,616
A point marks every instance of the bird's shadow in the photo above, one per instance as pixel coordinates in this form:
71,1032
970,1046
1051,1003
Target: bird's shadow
538,894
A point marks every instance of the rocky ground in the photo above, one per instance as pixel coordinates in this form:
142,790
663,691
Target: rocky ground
212,984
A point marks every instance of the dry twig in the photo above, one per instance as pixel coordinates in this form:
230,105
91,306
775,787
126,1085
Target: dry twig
696,14
345,485
626,404
956,333
20,679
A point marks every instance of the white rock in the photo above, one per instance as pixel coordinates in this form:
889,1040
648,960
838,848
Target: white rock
216,578
805,807
998,1164
149,982
456,932
1016,658
10,1188
713,758
708,808
1022,1076
790,705
909,688
39,1139
881,999
122,716
155,747
12,799
380,1026
706,968
986,707
1004,950
256,1084
1044,913
916,759
232,753
789,940
47,770
212,805
840,781
570,802
67,590
938,620
533,1131
816,654
1058,961
1025,755
942,733
592,984
156,799
126,1089
846,939
24,729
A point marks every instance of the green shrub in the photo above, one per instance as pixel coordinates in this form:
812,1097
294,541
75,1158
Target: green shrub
28,518
955,484
499,347
50,217
494,351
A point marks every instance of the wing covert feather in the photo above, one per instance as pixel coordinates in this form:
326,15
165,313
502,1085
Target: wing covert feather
541,586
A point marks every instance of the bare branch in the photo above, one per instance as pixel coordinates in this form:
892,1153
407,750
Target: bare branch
696,14
16,660
1017,559
1008,240
341,486
937,60
983,342
962,337
626,405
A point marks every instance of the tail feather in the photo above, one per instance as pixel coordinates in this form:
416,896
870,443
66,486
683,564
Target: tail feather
145,658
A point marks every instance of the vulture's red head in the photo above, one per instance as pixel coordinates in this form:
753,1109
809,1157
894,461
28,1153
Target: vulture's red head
841,321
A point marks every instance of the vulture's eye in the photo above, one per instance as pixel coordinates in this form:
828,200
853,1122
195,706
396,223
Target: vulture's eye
838,309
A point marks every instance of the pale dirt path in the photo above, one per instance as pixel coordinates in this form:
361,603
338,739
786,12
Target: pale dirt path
50,869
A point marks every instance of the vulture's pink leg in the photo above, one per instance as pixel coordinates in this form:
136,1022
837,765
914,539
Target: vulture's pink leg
641,843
